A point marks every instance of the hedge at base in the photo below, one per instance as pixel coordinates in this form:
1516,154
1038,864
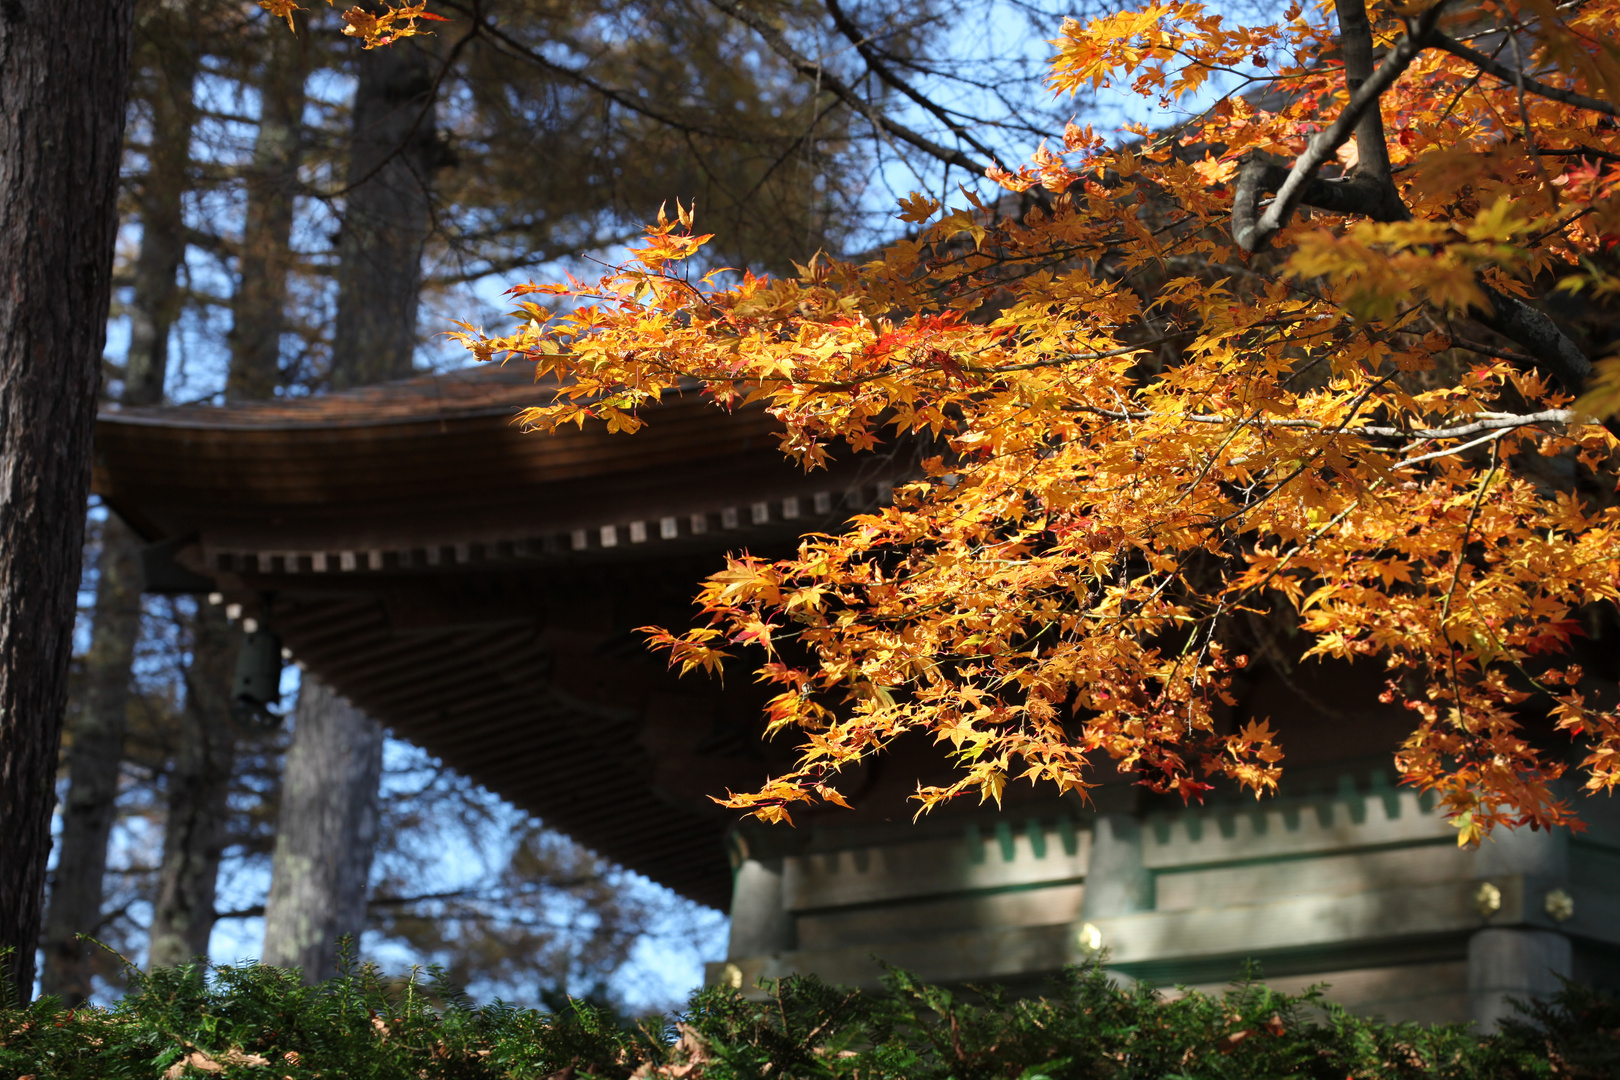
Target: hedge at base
262,1023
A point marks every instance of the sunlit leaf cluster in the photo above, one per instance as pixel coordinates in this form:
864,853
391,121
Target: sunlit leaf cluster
374,29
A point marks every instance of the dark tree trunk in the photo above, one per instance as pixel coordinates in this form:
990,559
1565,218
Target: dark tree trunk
385,223
64,66
194,832
95,752
166,63
258,310
326,834
165,71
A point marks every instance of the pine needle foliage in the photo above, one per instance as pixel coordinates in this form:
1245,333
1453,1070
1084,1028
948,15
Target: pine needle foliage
261,1022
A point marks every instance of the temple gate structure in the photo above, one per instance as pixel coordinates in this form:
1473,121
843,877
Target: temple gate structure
478,590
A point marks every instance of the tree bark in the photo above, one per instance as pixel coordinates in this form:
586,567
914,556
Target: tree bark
165,71
1355,38
95,752
326,834
64,66
166,61
259,308
386,219
194,833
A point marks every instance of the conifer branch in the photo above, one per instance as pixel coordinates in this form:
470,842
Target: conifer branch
830,82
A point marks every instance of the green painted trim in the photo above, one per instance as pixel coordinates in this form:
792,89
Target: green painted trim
1004,837
974,839
1391,797
1037,837
930,898
1348,794
1351,796
1323,959
1304,856
1070,838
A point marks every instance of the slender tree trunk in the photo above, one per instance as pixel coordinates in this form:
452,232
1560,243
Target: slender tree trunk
95,752
166,60
326,835
194,833
260,304
386,220
64,65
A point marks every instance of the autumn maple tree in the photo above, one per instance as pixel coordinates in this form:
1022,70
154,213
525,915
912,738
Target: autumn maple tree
1289,355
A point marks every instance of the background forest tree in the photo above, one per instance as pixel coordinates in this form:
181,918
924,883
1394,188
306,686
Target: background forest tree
288,202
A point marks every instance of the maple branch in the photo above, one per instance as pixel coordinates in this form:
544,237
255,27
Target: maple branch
1355,405
1456,575
1355,36
1336,195
842,90
1486,422
1372,195
1518,78
1550,347
1524,119
1450,450
1370,192
1482,349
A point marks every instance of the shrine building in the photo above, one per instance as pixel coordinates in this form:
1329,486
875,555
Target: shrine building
477,590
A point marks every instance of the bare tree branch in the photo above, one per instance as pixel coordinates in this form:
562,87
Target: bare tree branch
1484,422
519,50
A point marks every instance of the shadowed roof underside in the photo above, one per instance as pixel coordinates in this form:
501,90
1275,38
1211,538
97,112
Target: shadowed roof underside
477,589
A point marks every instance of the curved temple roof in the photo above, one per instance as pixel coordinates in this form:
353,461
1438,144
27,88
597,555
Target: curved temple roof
477,588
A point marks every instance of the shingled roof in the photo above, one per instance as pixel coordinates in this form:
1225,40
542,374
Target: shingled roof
477,588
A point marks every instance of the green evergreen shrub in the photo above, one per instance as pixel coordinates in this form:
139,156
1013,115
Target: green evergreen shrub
257,1022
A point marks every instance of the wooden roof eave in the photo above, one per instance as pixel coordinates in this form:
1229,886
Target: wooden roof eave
415,561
